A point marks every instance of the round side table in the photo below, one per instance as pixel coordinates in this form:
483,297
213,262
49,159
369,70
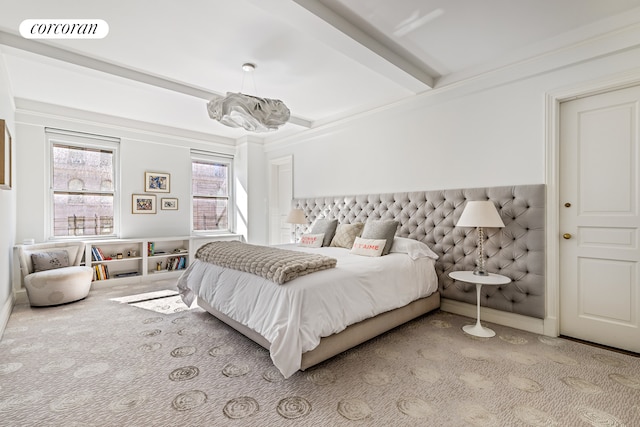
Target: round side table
478,330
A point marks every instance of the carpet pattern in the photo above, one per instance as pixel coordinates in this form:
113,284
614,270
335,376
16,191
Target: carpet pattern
99,362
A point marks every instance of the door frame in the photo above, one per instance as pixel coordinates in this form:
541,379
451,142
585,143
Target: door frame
273,166
551,324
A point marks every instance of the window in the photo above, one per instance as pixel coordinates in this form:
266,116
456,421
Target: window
211,192
83,190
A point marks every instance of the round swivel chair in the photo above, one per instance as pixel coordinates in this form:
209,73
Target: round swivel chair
52,273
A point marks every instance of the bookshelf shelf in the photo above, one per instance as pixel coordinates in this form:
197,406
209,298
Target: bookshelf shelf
134,260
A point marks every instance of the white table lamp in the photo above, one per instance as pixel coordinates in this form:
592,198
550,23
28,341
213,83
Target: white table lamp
480,214
296,217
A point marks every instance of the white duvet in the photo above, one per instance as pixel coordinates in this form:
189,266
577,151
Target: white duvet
295,315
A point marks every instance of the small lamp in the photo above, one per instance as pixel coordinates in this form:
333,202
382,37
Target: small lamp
480,214
296,217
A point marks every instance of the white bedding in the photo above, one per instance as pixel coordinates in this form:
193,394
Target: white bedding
294,316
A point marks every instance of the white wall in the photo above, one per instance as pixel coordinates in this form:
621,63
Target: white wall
161,150
477,134
251,191
136,157
487,132
7,206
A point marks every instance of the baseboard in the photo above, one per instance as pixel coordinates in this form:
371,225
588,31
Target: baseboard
513,320
7,307
21,296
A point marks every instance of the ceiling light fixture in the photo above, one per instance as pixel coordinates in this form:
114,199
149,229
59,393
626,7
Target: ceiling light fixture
249,112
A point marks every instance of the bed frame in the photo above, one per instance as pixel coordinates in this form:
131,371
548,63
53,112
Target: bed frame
352,336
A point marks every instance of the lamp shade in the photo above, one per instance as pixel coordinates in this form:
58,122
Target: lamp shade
296,216
480,214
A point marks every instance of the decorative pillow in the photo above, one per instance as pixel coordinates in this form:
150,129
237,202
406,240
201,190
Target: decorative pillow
48,260
368,247
413,248
311,240
381,230
326,227
346,234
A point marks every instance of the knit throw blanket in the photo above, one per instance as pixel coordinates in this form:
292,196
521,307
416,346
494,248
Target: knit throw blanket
275,264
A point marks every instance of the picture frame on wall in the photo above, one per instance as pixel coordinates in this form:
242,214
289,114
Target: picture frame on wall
143,203
5,156
169,204
157,182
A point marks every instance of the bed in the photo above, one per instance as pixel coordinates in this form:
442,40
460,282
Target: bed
316,316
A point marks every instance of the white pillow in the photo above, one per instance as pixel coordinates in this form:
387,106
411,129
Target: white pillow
413,248
311,240
368,247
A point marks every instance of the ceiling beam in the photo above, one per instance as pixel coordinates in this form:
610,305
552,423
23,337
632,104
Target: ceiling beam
358,35
326,26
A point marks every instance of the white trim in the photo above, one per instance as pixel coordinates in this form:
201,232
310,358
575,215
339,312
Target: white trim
79,139
273,196
5,313
21,296
56,116
552,170
214,158
206,155
512,320
606,42
83,135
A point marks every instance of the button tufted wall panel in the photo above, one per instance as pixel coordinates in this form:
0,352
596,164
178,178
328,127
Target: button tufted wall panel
516,251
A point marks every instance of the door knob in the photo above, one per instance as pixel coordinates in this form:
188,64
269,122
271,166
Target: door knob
566,236
567,205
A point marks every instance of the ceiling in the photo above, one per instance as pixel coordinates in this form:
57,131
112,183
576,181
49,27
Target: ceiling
162,60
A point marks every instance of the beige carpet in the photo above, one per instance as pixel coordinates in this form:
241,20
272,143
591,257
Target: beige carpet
99,362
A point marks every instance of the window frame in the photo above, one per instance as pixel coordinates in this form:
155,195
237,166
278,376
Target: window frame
90,141
214,158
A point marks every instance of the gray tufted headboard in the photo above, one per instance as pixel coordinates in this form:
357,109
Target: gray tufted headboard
516,251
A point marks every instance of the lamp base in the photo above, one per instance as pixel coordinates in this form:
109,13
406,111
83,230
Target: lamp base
479,272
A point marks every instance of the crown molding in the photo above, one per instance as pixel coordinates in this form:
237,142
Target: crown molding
619,41
46,112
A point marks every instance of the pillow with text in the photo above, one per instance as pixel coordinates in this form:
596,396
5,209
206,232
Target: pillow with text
368,247
311,240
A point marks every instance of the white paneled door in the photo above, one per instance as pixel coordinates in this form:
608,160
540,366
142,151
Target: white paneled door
599,219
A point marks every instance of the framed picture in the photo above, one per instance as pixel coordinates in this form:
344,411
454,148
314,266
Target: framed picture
156,182
143,204
5,156
169,204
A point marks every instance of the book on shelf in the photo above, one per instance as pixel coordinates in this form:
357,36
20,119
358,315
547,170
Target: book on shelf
104,258
98,255
100,272
175,263
95,255
126,274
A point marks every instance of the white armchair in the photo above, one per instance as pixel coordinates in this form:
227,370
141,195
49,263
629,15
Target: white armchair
52,273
